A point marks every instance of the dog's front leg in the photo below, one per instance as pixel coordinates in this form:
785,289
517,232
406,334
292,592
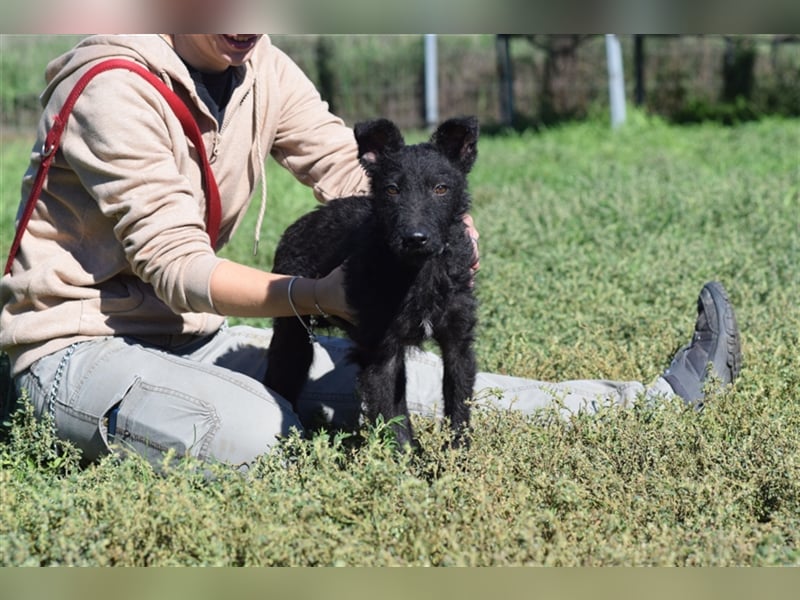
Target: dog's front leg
458,383
289,358
382,390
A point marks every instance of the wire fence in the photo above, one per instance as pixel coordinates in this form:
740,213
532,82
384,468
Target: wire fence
552,78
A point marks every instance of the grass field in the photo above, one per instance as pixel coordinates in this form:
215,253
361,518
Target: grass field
594,246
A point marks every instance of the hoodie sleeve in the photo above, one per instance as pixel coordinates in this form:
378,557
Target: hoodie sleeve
311,142
129,152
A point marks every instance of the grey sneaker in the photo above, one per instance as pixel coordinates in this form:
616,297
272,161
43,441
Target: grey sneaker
714,351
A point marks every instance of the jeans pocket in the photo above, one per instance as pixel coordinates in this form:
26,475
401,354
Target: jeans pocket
151,420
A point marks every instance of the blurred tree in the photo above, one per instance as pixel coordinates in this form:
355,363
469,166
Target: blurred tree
738,68
561,69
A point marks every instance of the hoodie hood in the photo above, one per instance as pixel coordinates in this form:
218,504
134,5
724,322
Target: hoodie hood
157,53
159,57
154,51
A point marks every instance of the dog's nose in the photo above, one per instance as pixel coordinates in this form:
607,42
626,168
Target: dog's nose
415,240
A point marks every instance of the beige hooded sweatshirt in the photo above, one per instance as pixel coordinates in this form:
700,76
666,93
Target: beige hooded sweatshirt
117,243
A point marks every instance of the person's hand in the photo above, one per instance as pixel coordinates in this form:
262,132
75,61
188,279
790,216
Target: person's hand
473,234
330,298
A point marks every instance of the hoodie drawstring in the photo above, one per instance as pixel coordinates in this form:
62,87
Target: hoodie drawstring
261,161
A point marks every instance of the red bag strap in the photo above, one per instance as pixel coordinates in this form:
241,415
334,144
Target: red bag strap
53,139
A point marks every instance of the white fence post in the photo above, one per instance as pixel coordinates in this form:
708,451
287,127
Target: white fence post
431,81
616,80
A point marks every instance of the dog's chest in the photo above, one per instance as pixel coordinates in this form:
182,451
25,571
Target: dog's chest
407,305
423,309
416,326
426,325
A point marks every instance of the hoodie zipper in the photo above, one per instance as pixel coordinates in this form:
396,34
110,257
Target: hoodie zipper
217,139
200,105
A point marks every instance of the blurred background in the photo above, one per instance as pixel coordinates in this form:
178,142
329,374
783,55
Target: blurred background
519,81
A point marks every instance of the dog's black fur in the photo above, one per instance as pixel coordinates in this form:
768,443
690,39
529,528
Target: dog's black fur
408,271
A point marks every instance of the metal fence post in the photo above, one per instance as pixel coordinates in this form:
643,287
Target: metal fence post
616,80
431,81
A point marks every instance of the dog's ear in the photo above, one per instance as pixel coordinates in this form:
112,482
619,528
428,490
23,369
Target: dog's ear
376,138
457,139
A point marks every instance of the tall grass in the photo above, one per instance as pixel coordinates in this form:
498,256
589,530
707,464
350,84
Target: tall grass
594,246
22,62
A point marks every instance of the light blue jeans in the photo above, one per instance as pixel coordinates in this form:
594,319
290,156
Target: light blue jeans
204,397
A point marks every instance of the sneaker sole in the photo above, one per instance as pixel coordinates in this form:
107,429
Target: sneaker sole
728,350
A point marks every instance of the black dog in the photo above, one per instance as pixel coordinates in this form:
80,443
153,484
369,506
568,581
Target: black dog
407,263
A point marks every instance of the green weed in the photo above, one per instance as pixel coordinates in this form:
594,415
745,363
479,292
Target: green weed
594,246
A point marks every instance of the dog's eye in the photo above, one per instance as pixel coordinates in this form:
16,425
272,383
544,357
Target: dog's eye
440,189
392,189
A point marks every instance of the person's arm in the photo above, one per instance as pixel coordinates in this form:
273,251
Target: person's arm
241,291
312,143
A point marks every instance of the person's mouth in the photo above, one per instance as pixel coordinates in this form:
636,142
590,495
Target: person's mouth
241,42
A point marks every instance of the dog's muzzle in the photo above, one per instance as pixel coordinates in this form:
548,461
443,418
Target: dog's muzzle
418,246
